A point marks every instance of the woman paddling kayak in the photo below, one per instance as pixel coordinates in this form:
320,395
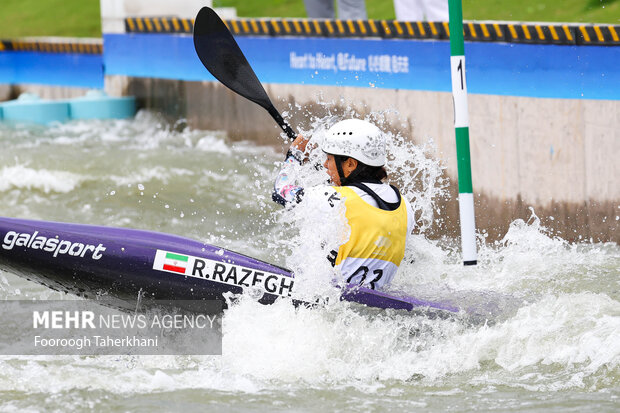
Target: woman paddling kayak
379,218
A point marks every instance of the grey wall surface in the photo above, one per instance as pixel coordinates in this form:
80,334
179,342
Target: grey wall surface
558,156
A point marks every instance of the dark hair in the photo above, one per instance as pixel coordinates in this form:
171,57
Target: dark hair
363,172
370,173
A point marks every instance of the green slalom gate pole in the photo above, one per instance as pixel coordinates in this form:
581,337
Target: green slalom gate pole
461,127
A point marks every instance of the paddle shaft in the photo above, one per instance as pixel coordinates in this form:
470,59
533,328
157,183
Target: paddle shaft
280,121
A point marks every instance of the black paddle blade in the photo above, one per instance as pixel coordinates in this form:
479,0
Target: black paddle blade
220,54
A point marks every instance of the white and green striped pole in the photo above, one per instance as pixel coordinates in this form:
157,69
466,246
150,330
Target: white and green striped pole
461,127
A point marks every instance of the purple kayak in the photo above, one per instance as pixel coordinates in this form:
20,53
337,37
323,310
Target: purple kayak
122,265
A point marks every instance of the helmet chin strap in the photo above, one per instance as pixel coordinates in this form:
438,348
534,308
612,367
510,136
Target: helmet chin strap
359,174
338,160
352,176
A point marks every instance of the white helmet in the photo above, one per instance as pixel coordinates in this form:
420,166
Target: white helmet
356,139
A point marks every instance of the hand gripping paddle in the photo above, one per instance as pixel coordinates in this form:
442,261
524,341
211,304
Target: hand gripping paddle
220,54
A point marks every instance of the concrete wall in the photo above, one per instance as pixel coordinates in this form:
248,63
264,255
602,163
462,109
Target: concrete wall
9,92
556,155
113,12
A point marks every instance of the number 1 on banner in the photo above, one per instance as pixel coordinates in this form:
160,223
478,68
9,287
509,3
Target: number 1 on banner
459,91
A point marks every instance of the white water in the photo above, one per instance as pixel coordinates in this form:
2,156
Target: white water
545,336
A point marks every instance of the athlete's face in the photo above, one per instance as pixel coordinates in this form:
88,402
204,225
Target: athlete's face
332,171
348,166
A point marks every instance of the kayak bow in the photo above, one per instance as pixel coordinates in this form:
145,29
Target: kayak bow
126,265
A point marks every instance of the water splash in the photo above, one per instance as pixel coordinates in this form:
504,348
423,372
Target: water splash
551,327
26,178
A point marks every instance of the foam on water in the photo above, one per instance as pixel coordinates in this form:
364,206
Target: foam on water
547,312
22,177
146,175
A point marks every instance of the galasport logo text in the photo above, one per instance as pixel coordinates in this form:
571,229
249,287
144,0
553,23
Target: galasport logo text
222,272
54,246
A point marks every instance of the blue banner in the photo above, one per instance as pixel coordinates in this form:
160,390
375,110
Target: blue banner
548,71
56,69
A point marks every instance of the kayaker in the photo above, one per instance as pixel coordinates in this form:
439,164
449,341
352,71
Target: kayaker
379,217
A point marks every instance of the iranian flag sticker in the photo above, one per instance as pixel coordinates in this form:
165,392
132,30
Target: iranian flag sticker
170,261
